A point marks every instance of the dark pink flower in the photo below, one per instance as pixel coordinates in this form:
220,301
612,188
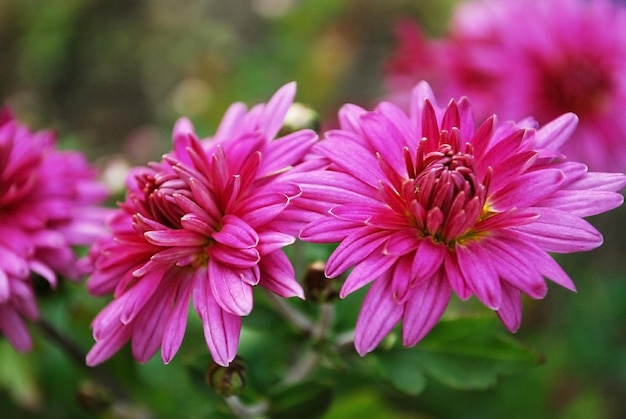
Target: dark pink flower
539,58
47,205
206,224
426,205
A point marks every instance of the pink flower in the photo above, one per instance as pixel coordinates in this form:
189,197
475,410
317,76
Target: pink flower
206,224
540,58
47,205
426,205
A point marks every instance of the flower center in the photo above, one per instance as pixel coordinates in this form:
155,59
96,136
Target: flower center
449,194
575,85
158,203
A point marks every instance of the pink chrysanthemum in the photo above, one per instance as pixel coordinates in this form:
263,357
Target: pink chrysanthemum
540,58
425,205
47,205
206,224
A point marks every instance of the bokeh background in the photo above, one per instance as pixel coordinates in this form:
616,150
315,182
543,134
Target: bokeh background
112,76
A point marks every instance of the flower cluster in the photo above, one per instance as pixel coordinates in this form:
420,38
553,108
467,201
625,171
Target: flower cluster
48,204
205,224
529,58
426,205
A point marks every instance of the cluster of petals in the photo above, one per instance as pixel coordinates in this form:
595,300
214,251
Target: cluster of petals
425,204
48,204
539,58
206,224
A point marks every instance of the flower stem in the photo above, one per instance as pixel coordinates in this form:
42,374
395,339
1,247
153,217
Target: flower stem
295,317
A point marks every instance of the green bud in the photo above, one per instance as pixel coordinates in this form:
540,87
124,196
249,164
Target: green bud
227,381
318,288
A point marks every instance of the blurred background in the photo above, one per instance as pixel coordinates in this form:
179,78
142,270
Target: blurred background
112,76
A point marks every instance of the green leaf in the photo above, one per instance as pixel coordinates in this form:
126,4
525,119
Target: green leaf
472,352
397,367
468,353
302,401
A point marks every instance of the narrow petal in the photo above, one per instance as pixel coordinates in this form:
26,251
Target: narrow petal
177,321
278,276
365,272
560,232
480,275
172,238
13,328
423,308
236,233
221,329
510,311
276,109
379,314
229,290
353,249
106,347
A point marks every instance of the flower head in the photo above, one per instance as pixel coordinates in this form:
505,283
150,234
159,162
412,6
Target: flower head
207,224
48,204
426,205
531,58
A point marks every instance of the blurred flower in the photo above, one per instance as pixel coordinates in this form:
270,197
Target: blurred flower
530,58
207,223
426,205
47,205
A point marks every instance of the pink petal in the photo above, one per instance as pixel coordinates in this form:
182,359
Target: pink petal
221,329
276,108
560,232
106,347
287,151
236,233
528,189
170,238
365,272
149,325
327,230
510,311
423,308
277,275
480,275
230,122
428,259
13,328
231,293
379,314
137,297
353,249
177,321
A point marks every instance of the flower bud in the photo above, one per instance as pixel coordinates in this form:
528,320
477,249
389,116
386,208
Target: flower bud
300,117
227,381
318,288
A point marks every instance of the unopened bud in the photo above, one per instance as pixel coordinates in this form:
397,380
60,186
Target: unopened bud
227,381
93,397
318,288
299,117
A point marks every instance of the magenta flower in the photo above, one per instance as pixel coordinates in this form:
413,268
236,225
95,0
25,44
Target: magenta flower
47,205
206,224
425,205
540,58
